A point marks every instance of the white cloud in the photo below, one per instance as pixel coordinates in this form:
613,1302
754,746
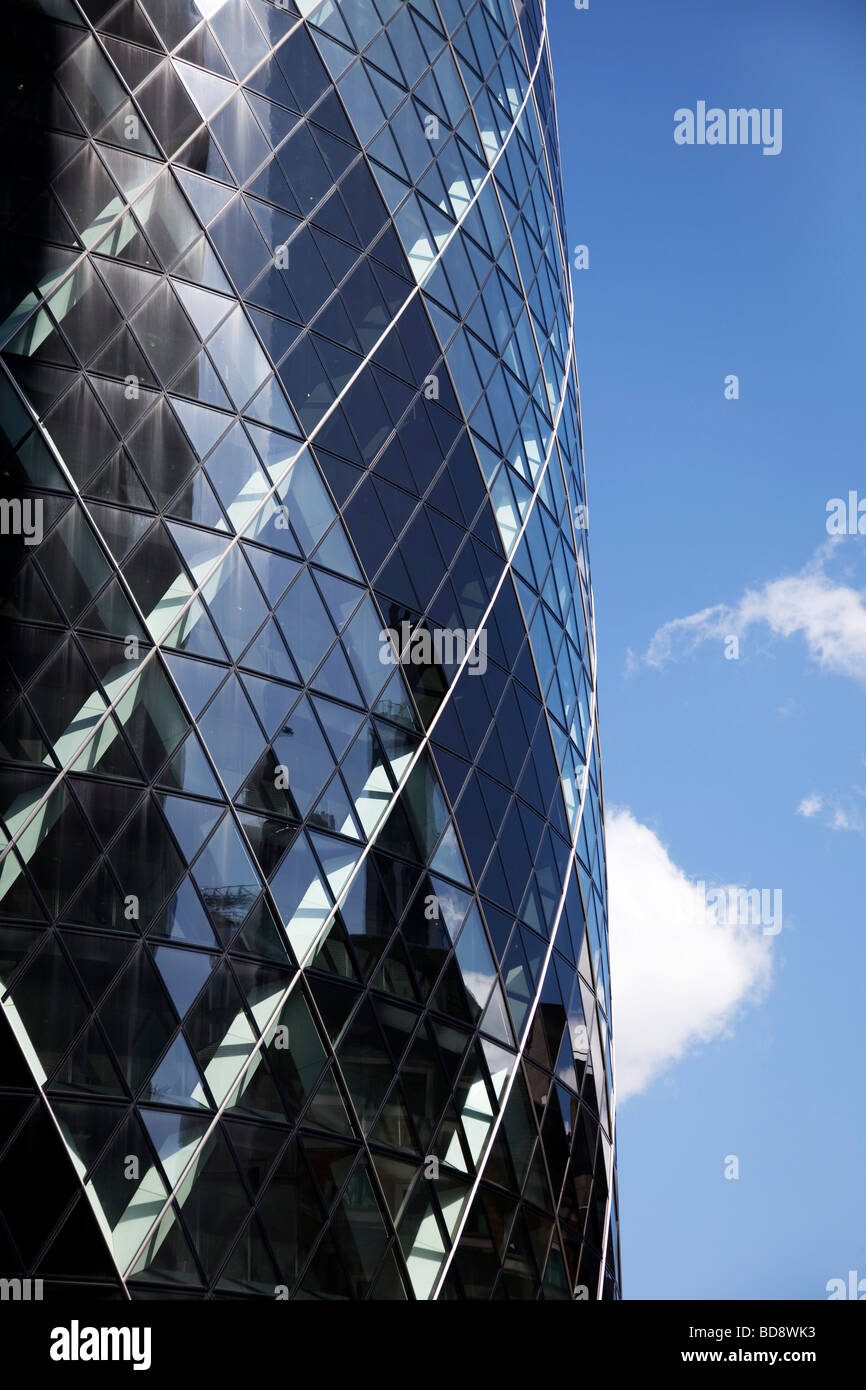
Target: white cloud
834,814
830,616
679,975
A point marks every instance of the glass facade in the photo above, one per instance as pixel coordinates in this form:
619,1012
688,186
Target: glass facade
303,949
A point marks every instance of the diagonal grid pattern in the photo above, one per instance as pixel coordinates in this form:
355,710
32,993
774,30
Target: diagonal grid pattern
223,840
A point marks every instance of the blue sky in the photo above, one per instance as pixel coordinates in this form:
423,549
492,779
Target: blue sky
704,262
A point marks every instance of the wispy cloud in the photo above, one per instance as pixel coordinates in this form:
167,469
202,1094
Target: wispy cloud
829,615
680,975
836,813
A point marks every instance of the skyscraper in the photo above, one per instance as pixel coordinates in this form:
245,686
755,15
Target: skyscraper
303,957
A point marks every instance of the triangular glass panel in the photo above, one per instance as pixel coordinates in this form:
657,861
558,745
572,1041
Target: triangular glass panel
189,771
207,197
184,919
250,1267
177,1080
200,381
